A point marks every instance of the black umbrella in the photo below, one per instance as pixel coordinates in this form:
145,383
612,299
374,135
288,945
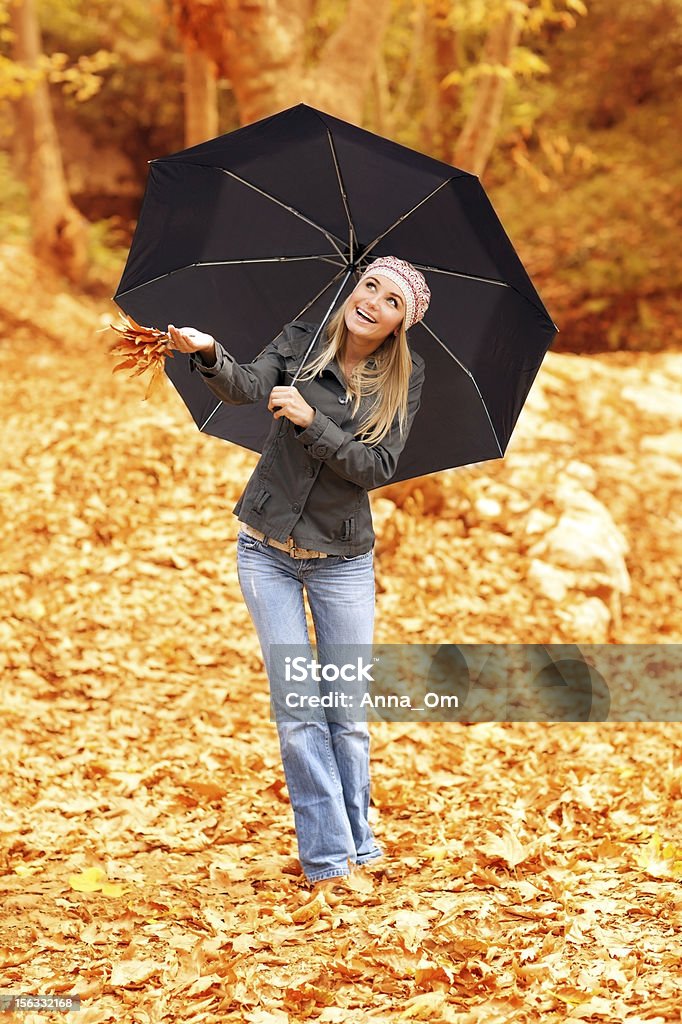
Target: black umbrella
275,221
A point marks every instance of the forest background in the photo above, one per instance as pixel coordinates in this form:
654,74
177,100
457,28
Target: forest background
567,113
147,832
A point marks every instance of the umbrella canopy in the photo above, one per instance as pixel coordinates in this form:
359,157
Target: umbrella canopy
276,221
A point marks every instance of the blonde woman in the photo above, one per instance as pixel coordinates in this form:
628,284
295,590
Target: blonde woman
306,524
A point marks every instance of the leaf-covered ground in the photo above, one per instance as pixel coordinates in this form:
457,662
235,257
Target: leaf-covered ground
534,869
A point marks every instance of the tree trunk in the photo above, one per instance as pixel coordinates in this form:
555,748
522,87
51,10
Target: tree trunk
415,62
477,138
342,76
59,232
264,56
381,95
440,111
260,46
201,96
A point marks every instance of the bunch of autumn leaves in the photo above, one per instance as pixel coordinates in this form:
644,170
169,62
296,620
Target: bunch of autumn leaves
142,348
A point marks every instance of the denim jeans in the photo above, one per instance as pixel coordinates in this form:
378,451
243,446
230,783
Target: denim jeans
326,763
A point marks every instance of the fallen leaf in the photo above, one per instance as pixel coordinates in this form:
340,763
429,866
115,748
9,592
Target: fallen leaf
660,860
89,880
507,848
133,972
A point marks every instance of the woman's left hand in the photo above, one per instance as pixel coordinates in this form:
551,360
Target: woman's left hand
289,402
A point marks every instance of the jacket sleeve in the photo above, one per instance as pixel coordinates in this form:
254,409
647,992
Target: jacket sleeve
362,464
242,383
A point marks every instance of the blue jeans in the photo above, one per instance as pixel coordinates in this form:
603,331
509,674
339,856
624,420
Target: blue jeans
326,763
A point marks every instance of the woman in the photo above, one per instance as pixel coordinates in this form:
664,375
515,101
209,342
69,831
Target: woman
305,522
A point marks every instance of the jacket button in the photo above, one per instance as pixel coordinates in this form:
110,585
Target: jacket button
342,399
321,450
295,507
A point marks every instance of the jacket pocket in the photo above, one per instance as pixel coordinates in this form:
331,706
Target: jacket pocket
348,528
260,499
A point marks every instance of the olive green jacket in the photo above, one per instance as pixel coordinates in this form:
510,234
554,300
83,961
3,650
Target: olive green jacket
311,483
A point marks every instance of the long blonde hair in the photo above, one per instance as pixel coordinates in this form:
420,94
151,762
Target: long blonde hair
385,374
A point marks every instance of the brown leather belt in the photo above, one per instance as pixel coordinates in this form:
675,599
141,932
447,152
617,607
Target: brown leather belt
289,547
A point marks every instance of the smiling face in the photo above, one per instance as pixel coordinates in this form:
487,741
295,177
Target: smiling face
373,311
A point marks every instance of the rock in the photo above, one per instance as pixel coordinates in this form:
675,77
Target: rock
549,581
586,539
583,473
587,620
661,465
656,400
539,521
570,496
669,444
670,365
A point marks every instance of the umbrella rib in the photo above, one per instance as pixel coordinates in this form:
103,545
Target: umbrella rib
297,213
457,273
471,377
325,257
352,240
405,216
312,301
484,280
210,415
316,297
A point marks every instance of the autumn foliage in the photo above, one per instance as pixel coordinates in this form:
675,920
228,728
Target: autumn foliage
147,849
143,348
532,869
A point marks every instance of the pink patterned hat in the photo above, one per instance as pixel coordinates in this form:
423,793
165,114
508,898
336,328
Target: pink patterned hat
410,281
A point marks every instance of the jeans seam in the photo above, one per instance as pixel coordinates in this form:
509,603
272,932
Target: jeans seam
334,873
333,771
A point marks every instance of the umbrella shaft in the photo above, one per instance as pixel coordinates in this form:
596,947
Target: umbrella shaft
324,321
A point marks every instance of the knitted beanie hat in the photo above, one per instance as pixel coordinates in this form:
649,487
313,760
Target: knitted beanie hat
410,281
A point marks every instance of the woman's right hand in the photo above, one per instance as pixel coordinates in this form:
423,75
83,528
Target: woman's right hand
188,339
